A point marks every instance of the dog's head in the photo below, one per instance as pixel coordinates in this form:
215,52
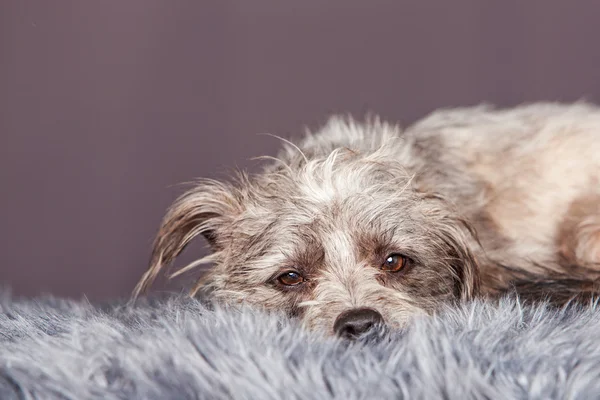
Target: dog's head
336,235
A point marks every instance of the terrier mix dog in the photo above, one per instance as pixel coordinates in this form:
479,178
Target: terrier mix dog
366,223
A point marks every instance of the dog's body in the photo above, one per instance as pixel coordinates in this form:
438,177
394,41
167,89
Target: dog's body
393,223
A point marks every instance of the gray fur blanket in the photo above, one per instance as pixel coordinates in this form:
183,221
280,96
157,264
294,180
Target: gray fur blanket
181,349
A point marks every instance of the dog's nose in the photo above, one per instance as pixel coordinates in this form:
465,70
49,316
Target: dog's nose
354,322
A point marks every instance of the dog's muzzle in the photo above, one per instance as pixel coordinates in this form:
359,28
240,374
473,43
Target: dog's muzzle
355,322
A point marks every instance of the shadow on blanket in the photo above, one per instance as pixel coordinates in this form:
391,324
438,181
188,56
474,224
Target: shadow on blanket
180,349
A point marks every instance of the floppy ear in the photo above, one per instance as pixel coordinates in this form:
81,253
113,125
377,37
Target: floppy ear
466,264
460,239
204,210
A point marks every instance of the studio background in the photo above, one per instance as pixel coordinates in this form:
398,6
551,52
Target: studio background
106,106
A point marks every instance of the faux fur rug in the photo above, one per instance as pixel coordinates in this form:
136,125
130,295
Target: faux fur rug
180,349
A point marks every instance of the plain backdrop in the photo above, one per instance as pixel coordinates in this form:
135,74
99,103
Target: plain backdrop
107,106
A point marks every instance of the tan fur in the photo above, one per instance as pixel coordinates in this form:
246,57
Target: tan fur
535,160
475,198
578,238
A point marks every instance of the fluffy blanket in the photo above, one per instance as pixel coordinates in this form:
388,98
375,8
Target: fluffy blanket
181,349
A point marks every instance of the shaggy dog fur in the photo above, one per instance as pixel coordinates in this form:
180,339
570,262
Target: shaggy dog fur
362,223
179,349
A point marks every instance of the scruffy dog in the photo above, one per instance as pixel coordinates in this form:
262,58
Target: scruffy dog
366,223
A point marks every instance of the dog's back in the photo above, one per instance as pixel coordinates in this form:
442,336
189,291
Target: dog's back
533,187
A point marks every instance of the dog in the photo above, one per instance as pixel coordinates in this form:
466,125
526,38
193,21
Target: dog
364,223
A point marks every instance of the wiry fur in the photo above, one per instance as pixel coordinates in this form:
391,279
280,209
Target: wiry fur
480,200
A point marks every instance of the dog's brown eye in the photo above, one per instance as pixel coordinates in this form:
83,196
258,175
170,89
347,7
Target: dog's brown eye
394,263
290,278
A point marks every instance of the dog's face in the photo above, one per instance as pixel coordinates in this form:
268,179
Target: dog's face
341,240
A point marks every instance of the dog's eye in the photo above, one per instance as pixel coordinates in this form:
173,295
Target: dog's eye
394,262
290,278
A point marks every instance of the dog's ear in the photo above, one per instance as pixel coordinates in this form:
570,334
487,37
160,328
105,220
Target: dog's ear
205,210
461,239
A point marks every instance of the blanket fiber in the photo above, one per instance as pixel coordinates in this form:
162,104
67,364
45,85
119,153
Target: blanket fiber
180,348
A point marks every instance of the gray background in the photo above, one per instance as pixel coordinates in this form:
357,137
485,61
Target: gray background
105,106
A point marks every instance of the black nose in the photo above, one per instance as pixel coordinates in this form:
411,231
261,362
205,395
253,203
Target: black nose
354,322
